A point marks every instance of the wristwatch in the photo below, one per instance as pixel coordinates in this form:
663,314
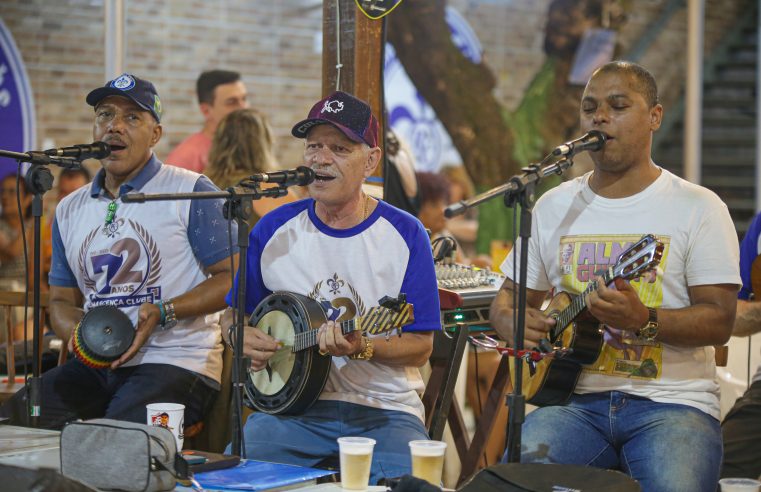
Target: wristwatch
168,316
367,351
650,330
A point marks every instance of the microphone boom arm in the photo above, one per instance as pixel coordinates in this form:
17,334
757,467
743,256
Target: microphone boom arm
531,174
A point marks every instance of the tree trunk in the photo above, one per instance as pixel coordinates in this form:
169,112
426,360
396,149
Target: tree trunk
459,91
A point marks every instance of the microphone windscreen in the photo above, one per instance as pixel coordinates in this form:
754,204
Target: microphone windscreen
101,150
306,175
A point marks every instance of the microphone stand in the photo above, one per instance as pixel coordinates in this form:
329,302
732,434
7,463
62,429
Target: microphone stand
238,207
38,180
519,190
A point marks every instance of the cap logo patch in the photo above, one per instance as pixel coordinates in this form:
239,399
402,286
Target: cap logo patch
157,105
332,107
125,82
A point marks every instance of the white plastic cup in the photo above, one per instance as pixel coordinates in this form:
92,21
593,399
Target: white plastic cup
428,460
739,485
170,416
356,454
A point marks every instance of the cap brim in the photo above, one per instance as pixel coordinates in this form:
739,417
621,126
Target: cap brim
301,129
97,95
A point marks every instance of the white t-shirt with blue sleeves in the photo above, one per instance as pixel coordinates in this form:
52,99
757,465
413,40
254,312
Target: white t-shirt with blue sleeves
349,271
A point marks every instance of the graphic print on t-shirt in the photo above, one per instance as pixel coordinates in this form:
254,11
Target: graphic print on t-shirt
121,273
623,354
338,298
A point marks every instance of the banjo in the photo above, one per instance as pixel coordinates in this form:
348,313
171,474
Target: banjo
296,374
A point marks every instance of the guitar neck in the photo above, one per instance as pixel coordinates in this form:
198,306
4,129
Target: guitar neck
307,339
578,304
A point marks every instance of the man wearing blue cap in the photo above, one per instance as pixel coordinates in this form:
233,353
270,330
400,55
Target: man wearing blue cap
164,264
345,251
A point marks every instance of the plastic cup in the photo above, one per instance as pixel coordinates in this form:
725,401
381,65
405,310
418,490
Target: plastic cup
169,415
739,485
356,454
428,460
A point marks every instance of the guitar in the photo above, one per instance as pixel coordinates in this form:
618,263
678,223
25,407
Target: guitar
296,374
577,337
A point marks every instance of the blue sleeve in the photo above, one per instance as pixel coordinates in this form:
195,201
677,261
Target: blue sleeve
420,283
748,253
255,289
60,272
212,237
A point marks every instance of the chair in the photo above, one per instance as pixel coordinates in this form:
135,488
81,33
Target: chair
8,301
214,432
721,355
445,363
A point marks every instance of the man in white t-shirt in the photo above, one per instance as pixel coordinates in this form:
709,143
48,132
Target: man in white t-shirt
220,92
344,250
649,404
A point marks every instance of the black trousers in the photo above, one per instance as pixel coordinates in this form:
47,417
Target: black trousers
741,431
75,391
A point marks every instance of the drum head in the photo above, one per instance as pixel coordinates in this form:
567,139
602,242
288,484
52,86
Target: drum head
105,333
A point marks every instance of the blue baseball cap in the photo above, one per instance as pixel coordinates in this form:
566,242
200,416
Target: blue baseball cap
139,91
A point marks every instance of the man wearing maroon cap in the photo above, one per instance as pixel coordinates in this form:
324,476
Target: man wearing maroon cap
345,251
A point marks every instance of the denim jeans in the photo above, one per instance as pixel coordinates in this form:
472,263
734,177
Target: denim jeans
75,391
310,438
665,447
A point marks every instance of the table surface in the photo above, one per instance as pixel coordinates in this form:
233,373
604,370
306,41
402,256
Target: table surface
38,448
29,448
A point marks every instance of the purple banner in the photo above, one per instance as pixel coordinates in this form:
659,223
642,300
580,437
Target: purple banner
17,122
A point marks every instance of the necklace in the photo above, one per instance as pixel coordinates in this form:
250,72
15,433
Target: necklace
111,212
365,210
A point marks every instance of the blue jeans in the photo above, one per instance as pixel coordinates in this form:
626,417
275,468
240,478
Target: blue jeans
666,447
75,391
310,438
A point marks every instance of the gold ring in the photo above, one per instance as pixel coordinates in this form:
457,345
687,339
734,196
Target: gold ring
323,353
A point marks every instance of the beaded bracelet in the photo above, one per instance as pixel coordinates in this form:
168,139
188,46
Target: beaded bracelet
162,320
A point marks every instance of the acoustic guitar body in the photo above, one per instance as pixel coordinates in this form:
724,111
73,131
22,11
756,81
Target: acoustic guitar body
554,378
292,380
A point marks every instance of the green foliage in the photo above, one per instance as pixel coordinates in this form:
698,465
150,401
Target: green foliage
527,120
495,220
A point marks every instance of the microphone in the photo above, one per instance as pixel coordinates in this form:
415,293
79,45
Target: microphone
301,176
95,150
593,141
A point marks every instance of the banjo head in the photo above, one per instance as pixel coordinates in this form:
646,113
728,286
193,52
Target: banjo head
276,324
291,378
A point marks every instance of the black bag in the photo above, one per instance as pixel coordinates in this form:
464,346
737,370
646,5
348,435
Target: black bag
516,477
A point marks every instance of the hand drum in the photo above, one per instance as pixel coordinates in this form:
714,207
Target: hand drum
102,336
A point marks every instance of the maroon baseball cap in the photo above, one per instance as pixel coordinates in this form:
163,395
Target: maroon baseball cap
347,113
